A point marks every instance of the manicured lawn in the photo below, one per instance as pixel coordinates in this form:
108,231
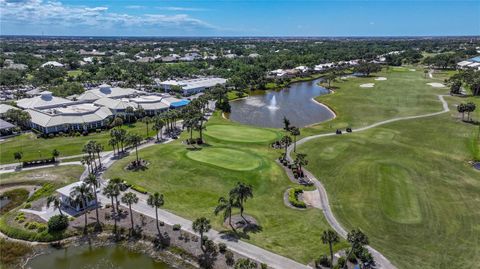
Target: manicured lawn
240,133
404,93
192,187
226,158
407,184
37,148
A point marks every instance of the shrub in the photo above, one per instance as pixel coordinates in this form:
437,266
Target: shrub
323,261
57,223
293,197
222,247
341,262
31,225
28,205
41,228
229,260
47,189
139,189
245,264
177,227
264,266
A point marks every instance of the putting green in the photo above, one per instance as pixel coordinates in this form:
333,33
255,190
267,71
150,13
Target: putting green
226,158
240,133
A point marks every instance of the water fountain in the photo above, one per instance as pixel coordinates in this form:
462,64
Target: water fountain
273,104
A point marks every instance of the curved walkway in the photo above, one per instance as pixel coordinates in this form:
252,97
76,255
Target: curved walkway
324,205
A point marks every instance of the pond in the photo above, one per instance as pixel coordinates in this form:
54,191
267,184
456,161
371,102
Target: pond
295,102
87,257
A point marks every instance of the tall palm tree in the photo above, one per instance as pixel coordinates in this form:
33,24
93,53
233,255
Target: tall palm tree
130,198
286,124
87,160
94,183
240,193
117,183
357,239
158,127
294,131
129,111
201,226
227,206
156,200
112,142
97,148
135,139
55,201
147,120
286,141
81,194
301,160
330,237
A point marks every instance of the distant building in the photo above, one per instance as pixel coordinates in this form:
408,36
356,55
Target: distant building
53,63
192,86
116,106
4,108
472,63
151,104
106,90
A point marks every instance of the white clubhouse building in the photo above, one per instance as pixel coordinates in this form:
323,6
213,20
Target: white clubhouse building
93,109
192,86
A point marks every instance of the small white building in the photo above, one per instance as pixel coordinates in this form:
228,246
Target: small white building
192,86
53,63
67,202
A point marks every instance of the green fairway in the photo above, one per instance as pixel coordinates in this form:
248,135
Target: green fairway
192,182
226,158
240,133
38,148
402,94
406,184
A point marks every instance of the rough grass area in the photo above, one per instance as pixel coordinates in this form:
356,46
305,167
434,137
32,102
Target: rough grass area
60,174
192,188
240,133
16,197
408,186
11,253
40,148
226,158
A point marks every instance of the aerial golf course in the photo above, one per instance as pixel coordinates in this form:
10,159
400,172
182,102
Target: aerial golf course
406,184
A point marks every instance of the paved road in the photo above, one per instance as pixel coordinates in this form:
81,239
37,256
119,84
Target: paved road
382,261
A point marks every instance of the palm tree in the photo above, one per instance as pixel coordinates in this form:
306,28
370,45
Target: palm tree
158,127
301,160
112,142
240,193
94,183
97,148
295,132
330,237
89,148
357,239
18,155
201,226
130,198
286,124
56,202
129,111
111,191
147,120
156,200
81,194
286,141
135,139
87,160
227,206
117,183
55,154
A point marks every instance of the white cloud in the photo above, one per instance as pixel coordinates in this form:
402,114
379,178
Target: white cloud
181,8
45,13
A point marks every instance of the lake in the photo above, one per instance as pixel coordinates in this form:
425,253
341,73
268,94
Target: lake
87,257
295,102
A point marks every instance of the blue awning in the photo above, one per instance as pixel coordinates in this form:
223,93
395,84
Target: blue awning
179,104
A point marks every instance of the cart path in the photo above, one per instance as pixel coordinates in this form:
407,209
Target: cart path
324,205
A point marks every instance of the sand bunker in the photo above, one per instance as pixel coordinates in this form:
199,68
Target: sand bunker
412,70
367,85
381,78
436,85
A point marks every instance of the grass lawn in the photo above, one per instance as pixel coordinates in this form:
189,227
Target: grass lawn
74,73
37,148
404,93
407,184
193,180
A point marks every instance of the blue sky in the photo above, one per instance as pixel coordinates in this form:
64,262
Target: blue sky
239,18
